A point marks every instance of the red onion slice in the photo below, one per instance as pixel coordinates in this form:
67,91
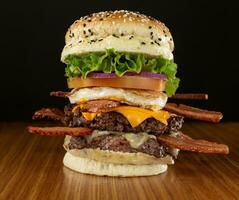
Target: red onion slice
147,74
101,75
141,74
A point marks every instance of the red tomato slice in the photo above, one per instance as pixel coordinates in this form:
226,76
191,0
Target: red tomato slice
119,82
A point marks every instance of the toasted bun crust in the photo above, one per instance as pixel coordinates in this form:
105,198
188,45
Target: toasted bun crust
89,166
122,30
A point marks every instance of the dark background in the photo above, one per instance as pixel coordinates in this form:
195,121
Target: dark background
32,37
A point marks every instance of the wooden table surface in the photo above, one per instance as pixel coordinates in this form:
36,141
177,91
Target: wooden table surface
31,168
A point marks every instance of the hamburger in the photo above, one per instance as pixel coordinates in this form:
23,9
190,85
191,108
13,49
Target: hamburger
121,72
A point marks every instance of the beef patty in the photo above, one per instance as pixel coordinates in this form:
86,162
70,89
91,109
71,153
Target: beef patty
113,121
118,143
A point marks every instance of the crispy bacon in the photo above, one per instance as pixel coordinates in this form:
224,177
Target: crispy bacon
59,131
59,94
51,113
186,143
197,96
99,105
194,113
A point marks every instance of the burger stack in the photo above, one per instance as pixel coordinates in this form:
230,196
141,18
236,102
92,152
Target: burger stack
120,71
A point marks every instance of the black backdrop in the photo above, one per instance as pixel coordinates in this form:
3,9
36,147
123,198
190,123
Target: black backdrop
32,37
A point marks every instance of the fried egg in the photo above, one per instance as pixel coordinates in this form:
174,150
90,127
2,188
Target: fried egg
142,98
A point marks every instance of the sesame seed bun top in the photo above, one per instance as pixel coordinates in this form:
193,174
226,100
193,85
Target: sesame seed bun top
122,30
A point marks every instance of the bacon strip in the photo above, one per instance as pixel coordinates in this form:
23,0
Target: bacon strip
194,113
59,131
186,143
59,94
198,96
51,113
99,105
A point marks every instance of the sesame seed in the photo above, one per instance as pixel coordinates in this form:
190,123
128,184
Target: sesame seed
80,41
84,32
100,40
122,34
89,20
151,42
131,37
151,33
157,42
101,19
143,43
160,39
150,27
115,36
84,25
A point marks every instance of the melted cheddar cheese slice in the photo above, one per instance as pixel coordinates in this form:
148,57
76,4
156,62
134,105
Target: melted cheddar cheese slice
134,115
89,116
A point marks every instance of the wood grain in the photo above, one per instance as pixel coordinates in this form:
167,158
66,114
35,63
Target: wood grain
31,168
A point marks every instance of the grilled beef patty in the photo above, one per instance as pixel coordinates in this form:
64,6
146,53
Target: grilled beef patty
113,121
118,143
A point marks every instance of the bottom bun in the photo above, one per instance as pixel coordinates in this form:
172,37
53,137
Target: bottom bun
126,158
89,166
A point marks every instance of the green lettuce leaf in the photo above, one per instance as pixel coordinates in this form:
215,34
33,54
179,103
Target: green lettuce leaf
119,63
